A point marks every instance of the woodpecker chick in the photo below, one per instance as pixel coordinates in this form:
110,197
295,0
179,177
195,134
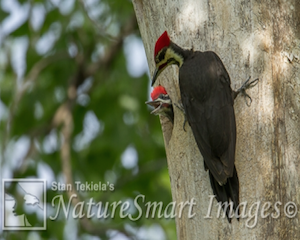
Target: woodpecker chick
162,103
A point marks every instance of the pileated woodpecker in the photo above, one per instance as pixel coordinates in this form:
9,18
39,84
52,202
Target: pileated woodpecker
207,100
162,103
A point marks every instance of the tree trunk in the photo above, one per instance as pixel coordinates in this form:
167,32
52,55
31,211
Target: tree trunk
253,38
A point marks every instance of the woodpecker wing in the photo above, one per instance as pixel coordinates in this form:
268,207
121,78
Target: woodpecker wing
208,102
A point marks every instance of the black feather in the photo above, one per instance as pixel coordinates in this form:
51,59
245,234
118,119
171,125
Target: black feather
227,193
208,100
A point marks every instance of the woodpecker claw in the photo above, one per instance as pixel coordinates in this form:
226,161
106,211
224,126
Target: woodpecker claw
180,107
184,124
247,96
246,85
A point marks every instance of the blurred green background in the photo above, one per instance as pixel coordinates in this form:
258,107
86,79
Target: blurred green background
73,85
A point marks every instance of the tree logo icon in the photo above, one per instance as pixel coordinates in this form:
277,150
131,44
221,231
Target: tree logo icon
24,204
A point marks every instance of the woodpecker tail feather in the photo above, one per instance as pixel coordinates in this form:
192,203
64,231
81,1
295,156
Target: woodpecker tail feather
227,195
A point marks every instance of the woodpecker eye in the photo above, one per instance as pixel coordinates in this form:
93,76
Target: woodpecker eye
156,60
164,97
160,56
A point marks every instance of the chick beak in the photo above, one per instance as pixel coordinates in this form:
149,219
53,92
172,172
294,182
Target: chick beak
157,104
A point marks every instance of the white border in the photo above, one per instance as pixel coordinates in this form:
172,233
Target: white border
3,203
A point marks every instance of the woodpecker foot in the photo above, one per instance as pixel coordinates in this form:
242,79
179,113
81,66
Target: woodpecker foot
180,107
246,85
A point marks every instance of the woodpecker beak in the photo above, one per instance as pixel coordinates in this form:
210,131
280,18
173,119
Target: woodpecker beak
157,104
155,75
157,110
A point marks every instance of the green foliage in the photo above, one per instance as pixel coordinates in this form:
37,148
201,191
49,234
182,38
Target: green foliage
75,85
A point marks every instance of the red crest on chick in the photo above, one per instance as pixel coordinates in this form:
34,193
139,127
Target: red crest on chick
157,91
162,41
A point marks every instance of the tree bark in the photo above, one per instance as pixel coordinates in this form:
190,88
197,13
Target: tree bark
253,38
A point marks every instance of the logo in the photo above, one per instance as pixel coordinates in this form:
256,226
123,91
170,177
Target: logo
24,204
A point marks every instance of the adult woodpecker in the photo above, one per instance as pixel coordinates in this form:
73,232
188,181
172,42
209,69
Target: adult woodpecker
207,100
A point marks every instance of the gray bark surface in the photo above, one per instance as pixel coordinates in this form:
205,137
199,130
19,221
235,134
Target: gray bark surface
253,38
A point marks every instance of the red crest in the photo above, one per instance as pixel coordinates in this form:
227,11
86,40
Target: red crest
157,91
162,41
